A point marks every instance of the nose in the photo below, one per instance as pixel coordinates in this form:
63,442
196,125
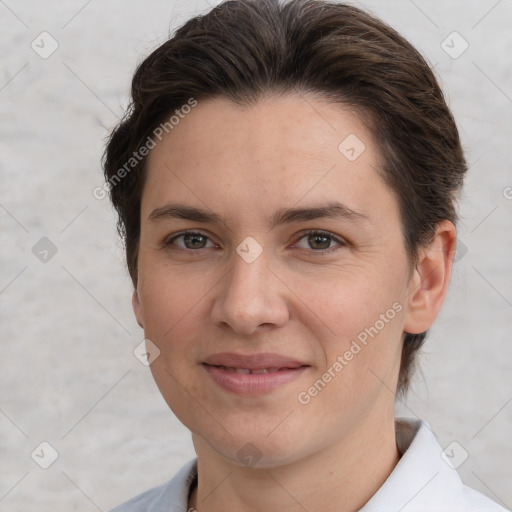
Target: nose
250,297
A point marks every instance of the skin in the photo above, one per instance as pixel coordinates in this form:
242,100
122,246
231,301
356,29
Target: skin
244,164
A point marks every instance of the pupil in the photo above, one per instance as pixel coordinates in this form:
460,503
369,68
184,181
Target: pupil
194,241
321,240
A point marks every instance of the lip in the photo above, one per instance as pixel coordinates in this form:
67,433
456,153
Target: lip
254,361
283,370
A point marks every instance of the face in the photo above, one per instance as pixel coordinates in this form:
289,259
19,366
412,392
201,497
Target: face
296,267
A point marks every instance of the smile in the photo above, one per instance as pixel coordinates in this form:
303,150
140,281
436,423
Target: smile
249,382
248,370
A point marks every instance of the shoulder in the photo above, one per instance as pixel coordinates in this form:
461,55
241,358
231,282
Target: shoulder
476,501
142,501
169,497
424,480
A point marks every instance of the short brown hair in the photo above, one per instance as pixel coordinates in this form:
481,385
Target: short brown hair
244,49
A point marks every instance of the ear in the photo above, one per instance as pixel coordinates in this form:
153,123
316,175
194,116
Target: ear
430,279
137,308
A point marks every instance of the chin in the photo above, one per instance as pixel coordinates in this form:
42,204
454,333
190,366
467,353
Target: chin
253,448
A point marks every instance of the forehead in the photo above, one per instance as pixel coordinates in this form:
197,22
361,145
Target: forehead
281,150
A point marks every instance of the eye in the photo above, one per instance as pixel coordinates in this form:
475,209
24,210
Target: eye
320,242
190,240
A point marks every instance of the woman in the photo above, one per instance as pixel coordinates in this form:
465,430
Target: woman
285,181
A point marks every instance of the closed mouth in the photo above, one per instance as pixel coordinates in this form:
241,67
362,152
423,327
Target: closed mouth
251,371
253,375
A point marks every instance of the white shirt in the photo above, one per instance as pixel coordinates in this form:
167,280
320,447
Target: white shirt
422,481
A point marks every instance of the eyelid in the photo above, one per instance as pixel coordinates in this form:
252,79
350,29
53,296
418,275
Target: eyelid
170,239
339,240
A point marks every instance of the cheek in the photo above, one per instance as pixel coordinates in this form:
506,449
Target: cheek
352,299
363,315
167,295
173,309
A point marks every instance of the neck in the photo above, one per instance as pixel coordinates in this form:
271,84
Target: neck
341,478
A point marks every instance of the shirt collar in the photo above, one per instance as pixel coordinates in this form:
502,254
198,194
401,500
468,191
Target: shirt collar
176,493
421,480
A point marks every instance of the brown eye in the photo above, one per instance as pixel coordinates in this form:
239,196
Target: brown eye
319,241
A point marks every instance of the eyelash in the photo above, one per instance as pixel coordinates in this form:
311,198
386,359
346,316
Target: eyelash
326,234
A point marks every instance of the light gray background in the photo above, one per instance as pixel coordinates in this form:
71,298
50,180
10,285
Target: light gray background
68,374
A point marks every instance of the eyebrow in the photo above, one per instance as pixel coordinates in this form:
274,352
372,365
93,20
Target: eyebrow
332,210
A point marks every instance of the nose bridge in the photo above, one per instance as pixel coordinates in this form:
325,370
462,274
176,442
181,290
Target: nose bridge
250,294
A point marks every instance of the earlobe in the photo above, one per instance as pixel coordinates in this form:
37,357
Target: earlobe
429,283
137,308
